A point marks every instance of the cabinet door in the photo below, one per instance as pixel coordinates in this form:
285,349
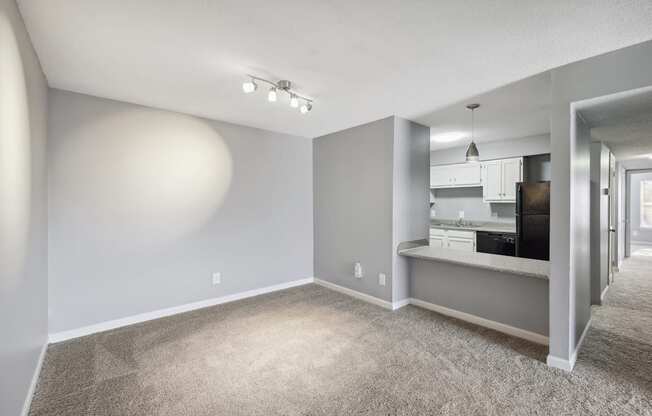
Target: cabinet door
440,177
437,241
462,244
491,181
512,172
466,174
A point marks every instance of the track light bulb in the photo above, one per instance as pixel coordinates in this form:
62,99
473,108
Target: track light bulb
294,101
249,86
271,95
306,108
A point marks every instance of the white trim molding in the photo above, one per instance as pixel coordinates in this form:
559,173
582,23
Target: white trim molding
32,386
568,365
400,303
161,313
559,363
487,323
358,295
604,293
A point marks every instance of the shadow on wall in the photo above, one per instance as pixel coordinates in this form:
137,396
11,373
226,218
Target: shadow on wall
15,162
151,177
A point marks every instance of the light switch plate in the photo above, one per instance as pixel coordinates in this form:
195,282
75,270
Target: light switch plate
382,279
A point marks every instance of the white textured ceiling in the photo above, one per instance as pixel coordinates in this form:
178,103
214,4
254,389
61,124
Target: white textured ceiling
516,110
361,60
623,122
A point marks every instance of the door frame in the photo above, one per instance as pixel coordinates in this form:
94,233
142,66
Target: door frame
628,223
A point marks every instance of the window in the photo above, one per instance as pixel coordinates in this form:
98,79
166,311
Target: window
646,204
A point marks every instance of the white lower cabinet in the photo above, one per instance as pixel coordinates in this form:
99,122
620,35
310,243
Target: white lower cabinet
464,244
461,240
436,241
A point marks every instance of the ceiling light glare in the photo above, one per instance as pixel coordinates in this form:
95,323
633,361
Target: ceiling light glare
449,136
271,95
294,101
249,86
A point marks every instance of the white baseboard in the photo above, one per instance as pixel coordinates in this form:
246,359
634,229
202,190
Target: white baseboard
161,313
400,303
559,363
496,326
358,295
579,344
32,386
604,293
568,365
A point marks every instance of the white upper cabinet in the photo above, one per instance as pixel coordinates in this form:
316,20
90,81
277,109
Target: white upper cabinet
512,173
456,176
500,178
491,180
439,177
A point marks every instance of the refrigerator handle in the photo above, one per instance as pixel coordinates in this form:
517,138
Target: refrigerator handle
518,219
518,198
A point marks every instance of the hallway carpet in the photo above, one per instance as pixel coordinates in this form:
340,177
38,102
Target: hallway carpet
312,351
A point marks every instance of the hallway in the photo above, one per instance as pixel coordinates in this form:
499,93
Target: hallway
618,349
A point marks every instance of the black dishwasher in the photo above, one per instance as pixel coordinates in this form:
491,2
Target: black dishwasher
496,243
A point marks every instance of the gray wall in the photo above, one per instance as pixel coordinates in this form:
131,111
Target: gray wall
531,145
371,193
617,71
639,234
353,181
581,223
518,301
599,220
23,211
411,220
146,204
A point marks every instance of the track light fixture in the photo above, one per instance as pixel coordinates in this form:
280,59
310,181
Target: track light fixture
250,86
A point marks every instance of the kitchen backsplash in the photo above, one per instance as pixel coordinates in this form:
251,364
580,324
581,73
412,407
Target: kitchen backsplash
448,203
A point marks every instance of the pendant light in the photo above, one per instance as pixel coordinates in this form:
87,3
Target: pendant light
472,154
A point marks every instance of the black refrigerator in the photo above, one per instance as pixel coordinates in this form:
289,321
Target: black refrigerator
533,220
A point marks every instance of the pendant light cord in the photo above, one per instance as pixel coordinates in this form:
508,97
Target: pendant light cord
472,124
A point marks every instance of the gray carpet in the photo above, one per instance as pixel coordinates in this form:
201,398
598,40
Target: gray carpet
311,351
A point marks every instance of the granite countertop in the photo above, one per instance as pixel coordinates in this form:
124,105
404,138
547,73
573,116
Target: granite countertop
493,227
516,265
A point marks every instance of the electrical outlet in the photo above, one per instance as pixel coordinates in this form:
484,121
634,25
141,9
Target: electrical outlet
357,270
381,279
217,278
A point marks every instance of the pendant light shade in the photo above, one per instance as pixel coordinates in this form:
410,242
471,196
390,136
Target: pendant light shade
472,154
